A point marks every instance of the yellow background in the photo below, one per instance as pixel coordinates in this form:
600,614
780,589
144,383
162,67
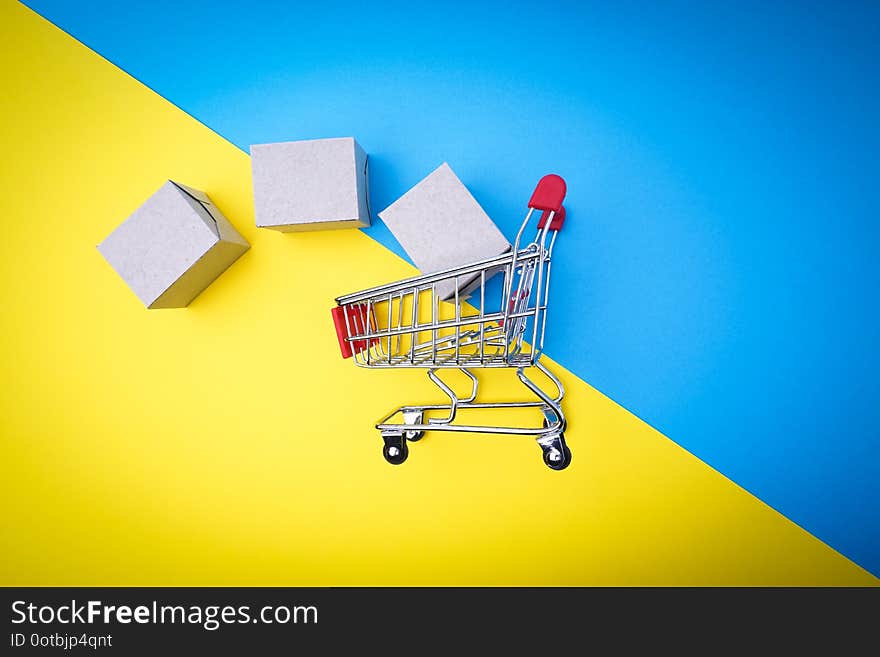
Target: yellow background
228,443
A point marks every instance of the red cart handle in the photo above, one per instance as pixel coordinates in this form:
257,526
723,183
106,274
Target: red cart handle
556,222
549,194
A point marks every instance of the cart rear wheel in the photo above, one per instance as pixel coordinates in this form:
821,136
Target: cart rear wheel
395,453
556,459
413,436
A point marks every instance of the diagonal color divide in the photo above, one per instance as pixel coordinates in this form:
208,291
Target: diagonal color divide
229,443
718,252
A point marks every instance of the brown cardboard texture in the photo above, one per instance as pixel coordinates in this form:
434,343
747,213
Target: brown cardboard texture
173,246
440,225
317,184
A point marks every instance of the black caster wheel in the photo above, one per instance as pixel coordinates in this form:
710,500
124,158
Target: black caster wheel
414,436
556,460
395,453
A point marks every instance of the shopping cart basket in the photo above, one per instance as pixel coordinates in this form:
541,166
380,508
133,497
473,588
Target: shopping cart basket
404,324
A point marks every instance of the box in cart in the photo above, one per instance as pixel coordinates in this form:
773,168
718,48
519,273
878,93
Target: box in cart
317,184
440,225
173,246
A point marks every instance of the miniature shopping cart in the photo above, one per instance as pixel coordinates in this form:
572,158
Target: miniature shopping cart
404,324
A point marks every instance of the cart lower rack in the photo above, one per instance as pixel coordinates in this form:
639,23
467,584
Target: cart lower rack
404,324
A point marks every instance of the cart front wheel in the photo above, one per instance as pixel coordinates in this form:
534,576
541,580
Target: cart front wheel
413,436
557,459
395,453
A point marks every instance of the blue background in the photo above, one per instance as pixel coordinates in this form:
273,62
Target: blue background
718,271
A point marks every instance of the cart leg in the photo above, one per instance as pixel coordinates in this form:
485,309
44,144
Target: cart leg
555,403
557,455
551,418
395,450
454,400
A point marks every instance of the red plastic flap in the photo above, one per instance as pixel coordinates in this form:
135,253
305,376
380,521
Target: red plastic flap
549,193
357,325
556,222
341,333
523,294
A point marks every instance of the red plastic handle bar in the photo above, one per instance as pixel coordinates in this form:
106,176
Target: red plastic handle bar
556,222
357,323
549,194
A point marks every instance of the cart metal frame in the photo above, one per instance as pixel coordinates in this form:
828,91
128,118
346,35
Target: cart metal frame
401,325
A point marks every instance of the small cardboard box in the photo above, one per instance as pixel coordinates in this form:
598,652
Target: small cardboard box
173,246
318,184
440,225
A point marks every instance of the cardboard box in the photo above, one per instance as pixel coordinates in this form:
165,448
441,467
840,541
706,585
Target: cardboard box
440,225
173,246
318,184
